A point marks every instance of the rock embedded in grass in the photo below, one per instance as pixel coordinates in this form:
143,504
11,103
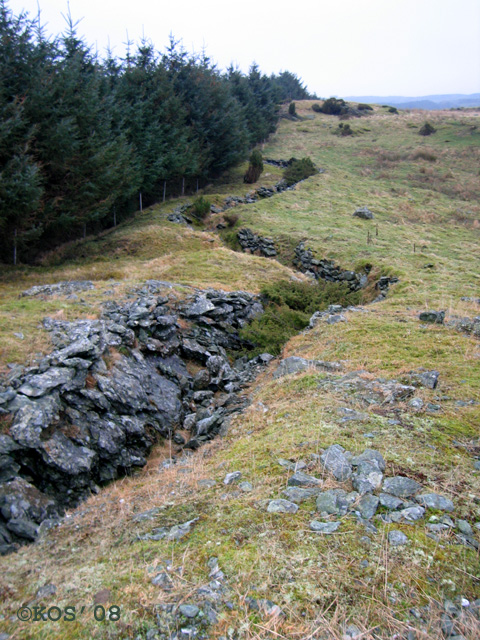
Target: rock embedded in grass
364,213
282,506
435,501
401,486
232,477
324,527
432,317
397,538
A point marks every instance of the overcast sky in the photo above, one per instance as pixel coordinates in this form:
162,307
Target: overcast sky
349,47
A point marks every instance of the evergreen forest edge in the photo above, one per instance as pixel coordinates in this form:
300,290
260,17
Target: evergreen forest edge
82,137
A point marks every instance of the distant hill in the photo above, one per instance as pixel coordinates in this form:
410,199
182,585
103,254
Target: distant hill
446,101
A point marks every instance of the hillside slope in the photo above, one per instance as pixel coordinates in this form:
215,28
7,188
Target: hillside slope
242,566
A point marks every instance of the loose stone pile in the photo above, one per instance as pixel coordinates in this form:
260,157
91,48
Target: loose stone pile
91,410
365,490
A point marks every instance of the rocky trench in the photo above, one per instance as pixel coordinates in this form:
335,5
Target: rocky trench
89,412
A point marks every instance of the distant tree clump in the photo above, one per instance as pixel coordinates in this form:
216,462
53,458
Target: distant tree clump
289,87
427,130
299,170
255,167
334,107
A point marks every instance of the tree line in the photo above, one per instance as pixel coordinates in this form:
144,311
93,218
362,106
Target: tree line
85,140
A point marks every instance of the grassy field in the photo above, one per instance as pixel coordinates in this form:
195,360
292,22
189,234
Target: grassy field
424,193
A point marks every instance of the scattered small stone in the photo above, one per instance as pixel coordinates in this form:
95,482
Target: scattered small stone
324,527
292,466
232,477
189,610
464,527
416,404
364,213
163,580
245,486
282,506
45,591
207,483
397,538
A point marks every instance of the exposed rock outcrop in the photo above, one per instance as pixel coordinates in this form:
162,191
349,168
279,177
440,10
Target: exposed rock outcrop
92,409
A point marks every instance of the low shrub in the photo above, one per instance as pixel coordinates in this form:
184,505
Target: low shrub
392,110
200,207
288,308
291,109
255,167
364,107
427,130
317,108
299,170
424,154
231,219
344,130
334,106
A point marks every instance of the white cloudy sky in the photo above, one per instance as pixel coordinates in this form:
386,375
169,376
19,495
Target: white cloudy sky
338,47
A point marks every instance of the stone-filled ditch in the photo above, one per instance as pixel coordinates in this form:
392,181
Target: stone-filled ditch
149,368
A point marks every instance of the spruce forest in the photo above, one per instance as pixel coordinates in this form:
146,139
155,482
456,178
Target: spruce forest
83,138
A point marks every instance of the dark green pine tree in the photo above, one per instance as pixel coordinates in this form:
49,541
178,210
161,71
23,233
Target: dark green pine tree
20,179
214,115
154,122
89,166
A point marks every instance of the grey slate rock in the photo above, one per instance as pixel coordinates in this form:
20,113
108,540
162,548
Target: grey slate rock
23,528
364,213
324,527
189,610
300,494
282,506
301,479
435,501
397,538
464,527
333,502
408,515
232,477
390,502
432,317
294,364
401,486
32,418
367,506
292,466
429,379
334,460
